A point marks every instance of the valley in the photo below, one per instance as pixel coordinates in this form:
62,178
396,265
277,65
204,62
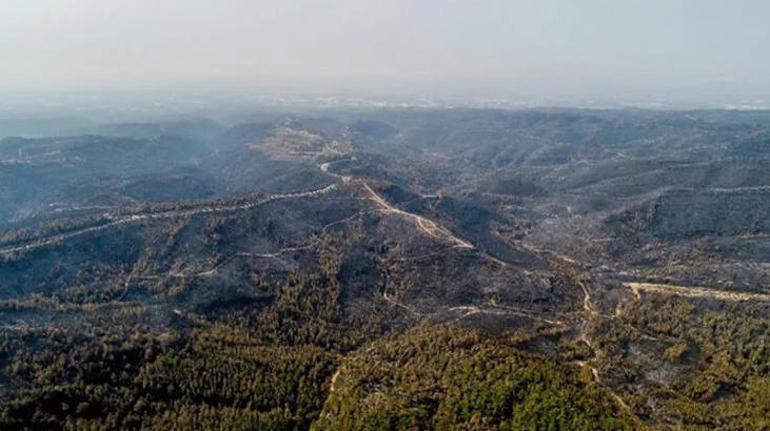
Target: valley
390,269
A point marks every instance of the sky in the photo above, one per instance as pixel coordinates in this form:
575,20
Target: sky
697,49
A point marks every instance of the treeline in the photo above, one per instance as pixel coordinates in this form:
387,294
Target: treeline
721,352
445,378
212,379
431,377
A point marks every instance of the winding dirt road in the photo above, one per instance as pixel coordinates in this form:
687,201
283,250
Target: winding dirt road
695,292
427,226
135,218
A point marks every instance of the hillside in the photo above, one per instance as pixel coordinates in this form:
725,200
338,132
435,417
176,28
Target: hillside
389,269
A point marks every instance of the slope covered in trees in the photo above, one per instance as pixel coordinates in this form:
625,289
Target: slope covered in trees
389,269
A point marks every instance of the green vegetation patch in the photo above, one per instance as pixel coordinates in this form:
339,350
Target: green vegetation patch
213,379
449,378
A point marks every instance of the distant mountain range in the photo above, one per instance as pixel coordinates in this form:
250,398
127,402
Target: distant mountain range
388,269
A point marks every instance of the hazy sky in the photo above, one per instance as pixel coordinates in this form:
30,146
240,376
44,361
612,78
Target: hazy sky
484,47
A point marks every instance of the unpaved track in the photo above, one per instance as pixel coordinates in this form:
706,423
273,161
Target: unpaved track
500,310
427,226
135,218
696,292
